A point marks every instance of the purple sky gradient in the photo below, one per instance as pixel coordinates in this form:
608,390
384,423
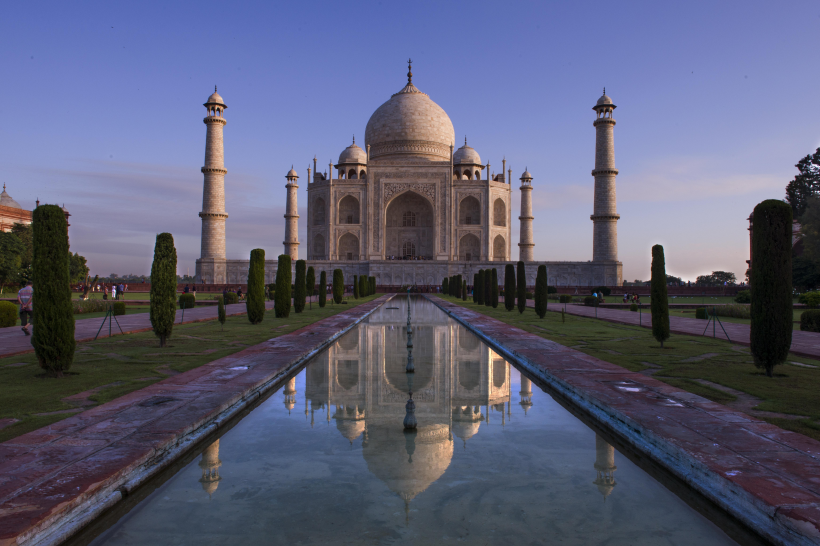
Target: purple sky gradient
103,112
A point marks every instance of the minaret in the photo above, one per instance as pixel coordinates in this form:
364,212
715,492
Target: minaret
526,394
213,196
525,236
291,241
290,394
604,217
604,466
210,464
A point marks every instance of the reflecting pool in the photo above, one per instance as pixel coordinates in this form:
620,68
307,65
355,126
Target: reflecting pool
493,460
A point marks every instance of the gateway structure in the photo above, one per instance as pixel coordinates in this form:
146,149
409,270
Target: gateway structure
409,208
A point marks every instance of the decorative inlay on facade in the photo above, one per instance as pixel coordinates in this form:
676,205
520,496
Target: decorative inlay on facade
412,174
391,189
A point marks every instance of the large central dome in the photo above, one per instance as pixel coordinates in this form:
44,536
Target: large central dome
410,124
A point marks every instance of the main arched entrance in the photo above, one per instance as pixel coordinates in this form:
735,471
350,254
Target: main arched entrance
409,227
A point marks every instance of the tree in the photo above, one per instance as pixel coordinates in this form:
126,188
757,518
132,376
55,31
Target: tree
475,283
805,273
163,287
355,287
310,284
494,287
255,298
717,278
458,286
300,286
11,258
479,288
673,280
541,291
464,290
488,287
810,230
372,285
220,311
363,282
521,287
805,185
445,286
509,287
323,289
53,336
282,293
338,285
659,302
771,307
24,233
78,270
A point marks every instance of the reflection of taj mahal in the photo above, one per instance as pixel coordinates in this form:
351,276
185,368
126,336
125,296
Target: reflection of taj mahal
410,208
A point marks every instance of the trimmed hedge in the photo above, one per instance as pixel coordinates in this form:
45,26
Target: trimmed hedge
283,287
187,301
231,297
463,290
271,291
300,286
565,298
119,308
458,286
541,291
810,321
445,286
590,301
255,298
372,285
310,283
700,313
355,286
552,289
810,299
493,287
634,307
659,304
509,287
338,285
164,287
521,287
323,289
479,288
8,314
745,296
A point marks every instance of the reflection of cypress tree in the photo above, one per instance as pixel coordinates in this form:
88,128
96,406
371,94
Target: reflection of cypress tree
163,287
255,298
299,286
282,306
479,288
659,302
323,289
53,315
494,288
541,291
509,287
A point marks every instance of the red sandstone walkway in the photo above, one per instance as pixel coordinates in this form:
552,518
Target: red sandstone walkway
13,341
765,476
65,474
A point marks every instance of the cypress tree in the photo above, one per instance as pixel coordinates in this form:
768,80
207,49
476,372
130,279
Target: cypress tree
338,285
488,288
323,289
372,285
163,287
494,288
53,336
220,311
300,286
659,303
310,284
541,291
475,292
458,286
521,287
363,282
479,288
445,286
509,287
255,299
355,287
771,280
464,290
283,284
451,285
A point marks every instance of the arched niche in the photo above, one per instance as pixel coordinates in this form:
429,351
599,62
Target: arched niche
348,247
499,249
469,211
319,214
349,210
409,218
469,248
318,249
499,213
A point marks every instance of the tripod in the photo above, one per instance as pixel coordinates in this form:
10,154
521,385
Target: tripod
715,321
109,316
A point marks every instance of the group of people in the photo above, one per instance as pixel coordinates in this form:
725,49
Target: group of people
634,298
225,293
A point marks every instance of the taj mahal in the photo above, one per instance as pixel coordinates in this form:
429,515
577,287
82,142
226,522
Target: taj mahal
409,208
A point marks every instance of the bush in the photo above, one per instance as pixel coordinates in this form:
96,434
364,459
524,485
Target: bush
231,297
300,290
89,306
255,298
119,308
745,296
323,289
551,289
810,299
634,307
700,313
810,321
338,285
187,301
530,295
521,287
164,287
659,302
220,311
493,287
541,291
565,298
591,301
732,310
8,314
283,286
771,308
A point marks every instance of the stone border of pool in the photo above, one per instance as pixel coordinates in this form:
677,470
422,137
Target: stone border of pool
765,477
56,480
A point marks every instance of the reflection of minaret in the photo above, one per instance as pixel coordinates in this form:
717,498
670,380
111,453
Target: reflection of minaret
526,394
604,466
290,394
210,464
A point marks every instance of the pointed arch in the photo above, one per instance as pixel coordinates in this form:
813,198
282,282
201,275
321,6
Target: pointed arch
499,249
499,213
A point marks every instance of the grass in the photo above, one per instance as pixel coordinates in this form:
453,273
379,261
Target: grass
794,389
690,313
122,364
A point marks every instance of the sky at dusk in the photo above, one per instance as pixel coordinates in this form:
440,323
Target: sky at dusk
103,112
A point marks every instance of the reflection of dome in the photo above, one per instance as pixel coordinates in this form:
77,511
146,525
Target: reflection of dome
466,422
7,201
350,429
410,124
408,463
353,154
467,155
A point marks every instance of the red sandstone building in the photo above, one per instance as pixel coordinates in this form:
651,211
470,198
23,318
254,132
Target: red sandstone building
12,213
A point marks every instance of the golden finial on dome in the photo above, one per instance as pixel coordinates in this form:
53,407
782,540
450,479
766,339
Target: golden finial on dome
409,70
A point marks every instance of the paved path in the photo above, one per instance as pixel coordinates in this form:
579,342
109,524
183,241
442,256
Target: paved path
14,342
767,477
56,478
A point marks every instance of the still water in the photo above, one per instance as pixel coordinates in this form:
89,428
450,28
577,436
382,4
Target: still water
494,460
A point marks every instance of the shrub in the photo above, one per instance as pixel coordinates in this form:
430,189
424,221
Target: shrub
164,287
700,313
231,297
187,301
541,291
300,287
463,290
323,289
355,286
89,306
810,299
565,298
479,287
271,291
634,307
220,311
732,310
591,301
445,286
771,308
745,296
310,282
119,308
659,302
458,286
363,282
8,314
494,287
521,287
530,295
255,298
338,285
810,321
551,289
283,286
509,287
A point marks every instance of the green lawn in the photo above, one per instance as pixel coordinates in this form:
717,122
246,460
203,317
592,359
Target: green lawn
690,313
119,365
794,390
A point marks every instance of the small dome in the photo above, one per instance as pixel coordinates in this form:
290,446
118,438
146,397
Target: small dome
215,98
466,154
353,154
7,201
291,173
526,175
603,100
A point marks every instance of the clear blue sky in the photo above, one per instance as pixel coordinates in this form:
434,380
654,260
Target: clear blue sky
103,112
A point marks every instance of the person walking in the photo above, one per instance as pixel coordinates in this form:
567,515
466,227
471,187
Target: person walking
105,291
25,297
113,291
